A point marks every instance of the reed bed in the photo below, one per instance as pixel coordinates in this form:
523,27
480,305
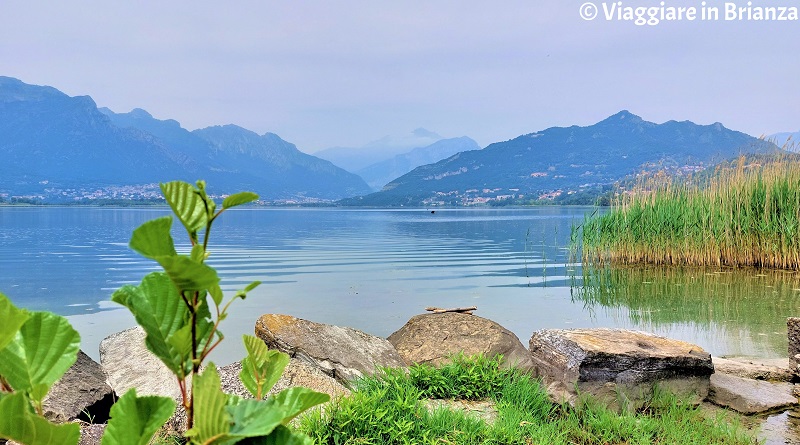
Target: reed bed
744,213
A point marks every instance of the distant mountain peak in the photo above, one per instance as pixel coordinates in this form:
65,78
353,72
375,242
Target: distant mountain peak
424,133
139,113
624,115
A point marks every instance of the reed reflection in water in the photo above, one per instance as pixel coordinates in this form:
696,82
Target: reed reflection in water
727,311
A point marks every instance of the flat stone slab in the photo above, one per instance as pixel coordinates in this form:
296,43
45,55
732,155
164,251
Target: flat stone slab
773,370
432,338
341,352
749,396
621,367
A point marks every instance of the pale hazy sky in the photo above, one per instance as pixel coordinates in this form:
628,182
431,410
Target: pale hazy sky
328,73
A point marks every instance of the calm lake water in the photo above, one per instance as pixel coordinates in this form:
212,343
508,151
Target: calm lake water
374,269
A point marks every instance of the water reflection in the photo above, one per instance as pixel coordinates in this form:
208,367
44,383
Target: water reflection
729,312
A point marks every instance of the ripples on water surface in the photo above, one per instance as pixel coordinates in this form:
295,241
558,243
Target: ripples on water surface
374,269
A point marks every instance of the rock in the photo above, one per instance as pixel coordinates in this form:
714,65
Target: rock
793,335
432,338
620,367
297,373
341,352
129,364
91,433
749,396
82,392
774,370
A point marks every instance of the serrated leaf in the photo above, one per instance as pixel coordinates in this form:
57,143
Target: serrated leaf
18,423
187,205
253,418
216,293
198,253
134,420
281,436
153,238
11,319
238,199
188,275
298,399
211,418
161,312
181,341
262,367
41,352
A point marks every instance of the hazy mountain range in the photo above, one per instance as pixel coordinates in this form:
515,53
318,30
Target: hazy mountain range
354,159
59,148
381,173
557,161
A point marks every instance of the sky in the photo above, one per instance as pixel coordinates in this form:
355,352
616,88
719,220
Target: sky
344,73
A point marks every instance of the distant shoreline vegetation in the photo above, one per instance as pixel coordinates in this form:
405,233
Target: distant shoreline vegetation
745,212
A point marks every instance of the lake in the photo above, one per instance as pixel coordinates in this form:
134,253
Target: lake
374,269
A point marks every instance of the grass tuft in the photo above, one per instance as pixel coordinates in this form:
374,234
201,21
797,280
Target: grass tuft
388,409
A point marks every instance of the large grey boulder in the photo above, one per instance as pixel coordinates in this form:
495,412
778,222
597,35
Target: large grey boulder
432,338
128,364
620,367
82,392
341,352
749,396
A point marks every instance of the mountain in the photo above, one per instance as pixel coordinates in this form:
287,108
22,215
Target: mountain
379,174
49,139
788,141
60,148
356,158
558,161
279,165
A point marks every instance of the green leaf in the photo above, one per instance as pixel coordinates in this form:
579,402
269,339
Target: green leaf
281,436
188,275
41,352
243,293
12,319
216,293
239,199
161,312
134,420
211,418
187,205
262,367
153,238
198,253
201,190
298,399
18,423
253,418
252,286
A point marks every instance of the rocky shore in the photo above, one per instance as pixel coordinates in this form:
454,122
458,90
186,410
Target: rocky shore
620,367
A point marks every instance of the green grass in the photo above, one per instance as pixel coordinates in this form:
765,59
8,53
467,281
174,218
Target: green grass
744,213
388,409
